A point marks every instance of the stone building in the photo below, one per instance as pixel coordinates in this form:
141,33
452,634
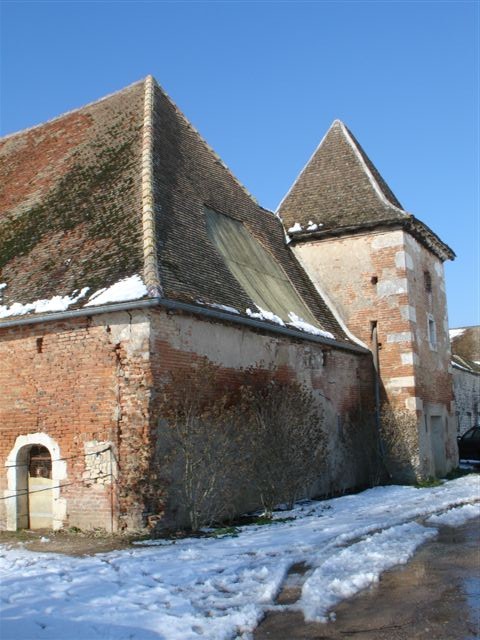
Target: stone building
465,344
382,269
128,250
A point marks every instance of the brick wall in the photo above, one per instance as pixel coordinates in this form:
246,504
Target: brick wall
83,383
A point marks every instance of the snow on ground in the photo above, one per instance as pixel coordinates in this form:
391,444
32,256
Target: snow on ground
358,566
220,588
456,516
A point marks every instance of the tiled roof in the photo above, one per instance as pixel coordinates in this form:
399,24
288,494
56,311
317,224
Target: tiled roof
188,177
70,201
340,191
119,188
465,345
465,364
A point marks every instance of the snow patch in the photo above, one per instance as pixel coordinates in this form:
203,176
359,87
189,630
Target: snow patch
295,322
313,226
57,303
219,588
131,288
359,566
262,314
296,228
454,333
298,323
456,516
222,307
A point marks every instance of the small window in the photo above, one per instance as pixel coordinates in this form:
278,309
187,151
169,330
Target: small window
427,278
40,462
432,332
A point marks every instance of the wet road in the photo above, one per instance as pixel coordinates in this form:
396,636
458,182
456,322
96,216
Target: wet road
436,596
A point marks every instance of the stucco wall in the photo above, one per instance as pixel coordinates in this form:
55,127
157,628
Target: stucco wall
342,380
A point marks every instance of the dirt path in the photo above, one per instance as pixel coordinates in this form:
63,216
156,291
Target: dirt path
436,596
72,544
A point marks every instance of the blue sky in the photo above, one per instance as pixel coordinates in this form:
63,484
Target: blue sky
263,81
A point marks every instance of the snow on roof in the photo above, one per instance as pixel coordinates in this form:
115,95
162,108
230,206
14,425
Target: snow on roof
131,288
55,303
341,188
454,333
76,220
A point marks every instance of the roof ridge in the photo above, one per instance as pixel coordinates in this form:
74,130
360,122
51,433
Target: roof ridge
207,145
302,170
150,257
360,156
468,326
71,111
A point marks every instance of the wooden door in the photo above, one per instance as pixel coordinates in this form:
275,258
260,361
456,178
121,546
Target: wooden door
40,488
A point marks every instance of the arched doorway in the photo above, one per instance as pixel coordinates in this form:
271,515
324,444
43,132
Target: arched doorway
35,472
34,488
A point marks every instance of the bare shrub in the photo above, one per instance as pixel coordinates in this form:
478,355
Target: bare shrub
203,439
288,440
217,442
400,437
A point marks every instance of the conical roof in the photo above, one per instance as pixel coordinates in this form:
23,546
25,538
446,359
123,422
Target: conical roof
341,191
339,186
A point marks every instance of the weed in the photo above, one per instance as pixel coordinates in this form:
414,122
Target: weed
74,530
457,473
223,532
427,483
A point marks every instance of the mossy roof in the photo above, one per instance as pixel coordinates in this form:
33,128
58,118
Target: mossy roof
70,201
72,210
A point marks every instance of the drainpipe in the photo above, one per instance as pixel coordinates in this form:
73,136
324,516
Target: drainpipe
376,365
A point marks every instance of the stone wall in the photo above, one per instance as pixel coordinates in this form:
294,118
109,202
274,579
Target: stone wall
342,380
389,279
466,387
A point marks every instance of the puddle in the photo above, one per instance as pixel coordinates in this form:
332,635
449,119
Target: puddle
436,596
